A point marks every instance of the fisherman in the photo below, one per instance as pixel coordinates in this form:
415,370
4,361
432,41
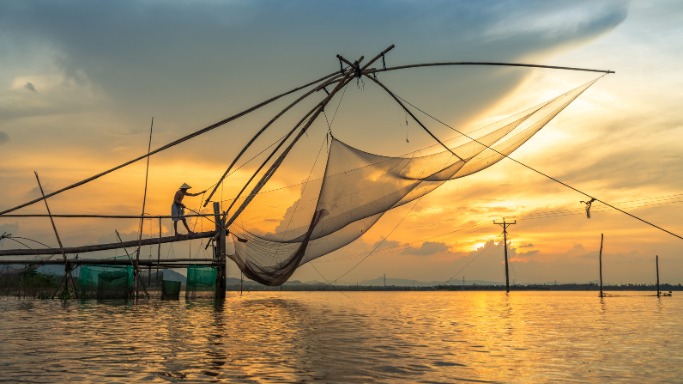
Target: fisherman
178,208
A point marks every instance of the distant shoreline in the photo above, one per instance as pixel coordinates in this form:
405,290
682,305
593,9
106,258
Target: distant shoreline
474,287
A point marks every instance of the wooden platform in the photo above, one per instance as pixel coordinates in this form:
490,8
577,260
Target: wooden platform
104,247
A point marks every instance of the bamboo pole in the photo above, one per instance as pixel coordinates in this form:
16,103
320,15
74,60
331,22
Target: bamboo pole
269,173
173,143
67,267
267,159
489,63
81,261
264,128
134,263
104,247
136,269
342,82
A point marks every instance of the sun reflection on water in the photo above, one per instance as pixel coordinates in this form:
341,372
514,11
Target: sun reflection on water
350,337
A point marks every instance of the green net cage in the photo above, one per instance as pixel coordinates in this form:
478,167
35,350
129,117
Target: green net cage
201,281
170,290
105,282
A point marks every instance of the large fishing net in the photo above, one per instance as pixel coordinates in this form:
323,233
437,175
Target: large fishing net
359,187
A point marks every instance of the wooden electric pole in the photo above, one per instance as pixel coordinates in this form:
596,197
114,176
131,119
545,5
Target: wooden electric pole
505,226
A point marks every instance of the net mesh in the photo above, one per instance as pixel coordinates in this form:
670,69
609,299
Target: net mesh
359,187
170,290
201,281
105,282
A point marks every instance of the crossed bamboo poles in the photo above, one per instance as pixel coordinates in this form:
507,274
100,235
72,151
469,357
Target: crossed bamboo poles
336,80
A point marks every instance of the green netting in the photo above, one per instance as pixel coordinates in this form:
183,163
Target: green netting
201,281
170,290
105,282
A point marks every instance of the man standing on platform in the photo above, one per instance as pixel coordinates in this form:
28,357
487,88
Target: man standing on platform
178,208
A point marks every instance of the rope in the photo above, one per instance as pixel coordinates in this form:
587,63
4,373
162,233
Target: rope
544,174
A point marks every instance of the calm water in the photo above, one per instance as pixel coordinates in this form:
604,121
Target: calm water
354,337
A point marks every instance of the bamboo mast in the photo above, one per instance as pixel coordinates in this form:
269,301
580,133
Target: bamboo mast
265,127
268,158
136,268
354,71
271,170
489,63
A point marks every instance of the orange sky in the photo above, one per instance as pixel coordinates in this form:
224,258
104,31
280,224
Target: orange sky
77,98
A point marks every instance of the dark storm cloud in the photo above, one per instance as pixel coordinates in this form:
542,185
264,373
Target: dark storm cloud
4,138
160,47
30,87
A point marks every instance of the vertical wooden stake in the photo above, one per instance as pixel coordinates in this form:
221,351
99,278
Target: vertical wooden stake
657,268
159,250
602,294
219,255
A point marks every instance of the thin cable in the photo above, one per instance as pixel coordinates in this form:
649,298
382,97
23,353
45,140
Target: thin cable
379,243
544,174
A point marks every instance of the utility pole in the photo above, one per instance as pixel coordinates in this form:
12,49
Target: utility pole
505,226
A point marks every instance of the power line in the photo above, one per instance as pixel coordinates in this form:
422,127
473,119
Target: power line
544,174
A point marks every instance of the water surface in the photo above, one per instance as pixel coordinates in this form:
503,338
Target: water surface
353,337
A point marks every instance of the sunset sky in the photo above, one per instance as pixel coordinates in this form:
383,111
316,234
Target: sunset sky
80,82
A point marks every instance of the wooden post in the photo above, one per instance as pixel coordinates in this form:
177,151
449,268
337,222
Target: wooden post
159,249
602,237
134,264
67,268
219,254
657,268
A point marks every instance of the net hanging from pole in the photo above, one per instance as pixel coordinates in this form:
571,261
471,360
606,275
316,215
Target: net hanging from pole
359,187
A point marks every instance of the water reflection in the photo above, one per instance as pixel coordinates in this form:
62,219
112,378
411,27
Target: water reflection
357,337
